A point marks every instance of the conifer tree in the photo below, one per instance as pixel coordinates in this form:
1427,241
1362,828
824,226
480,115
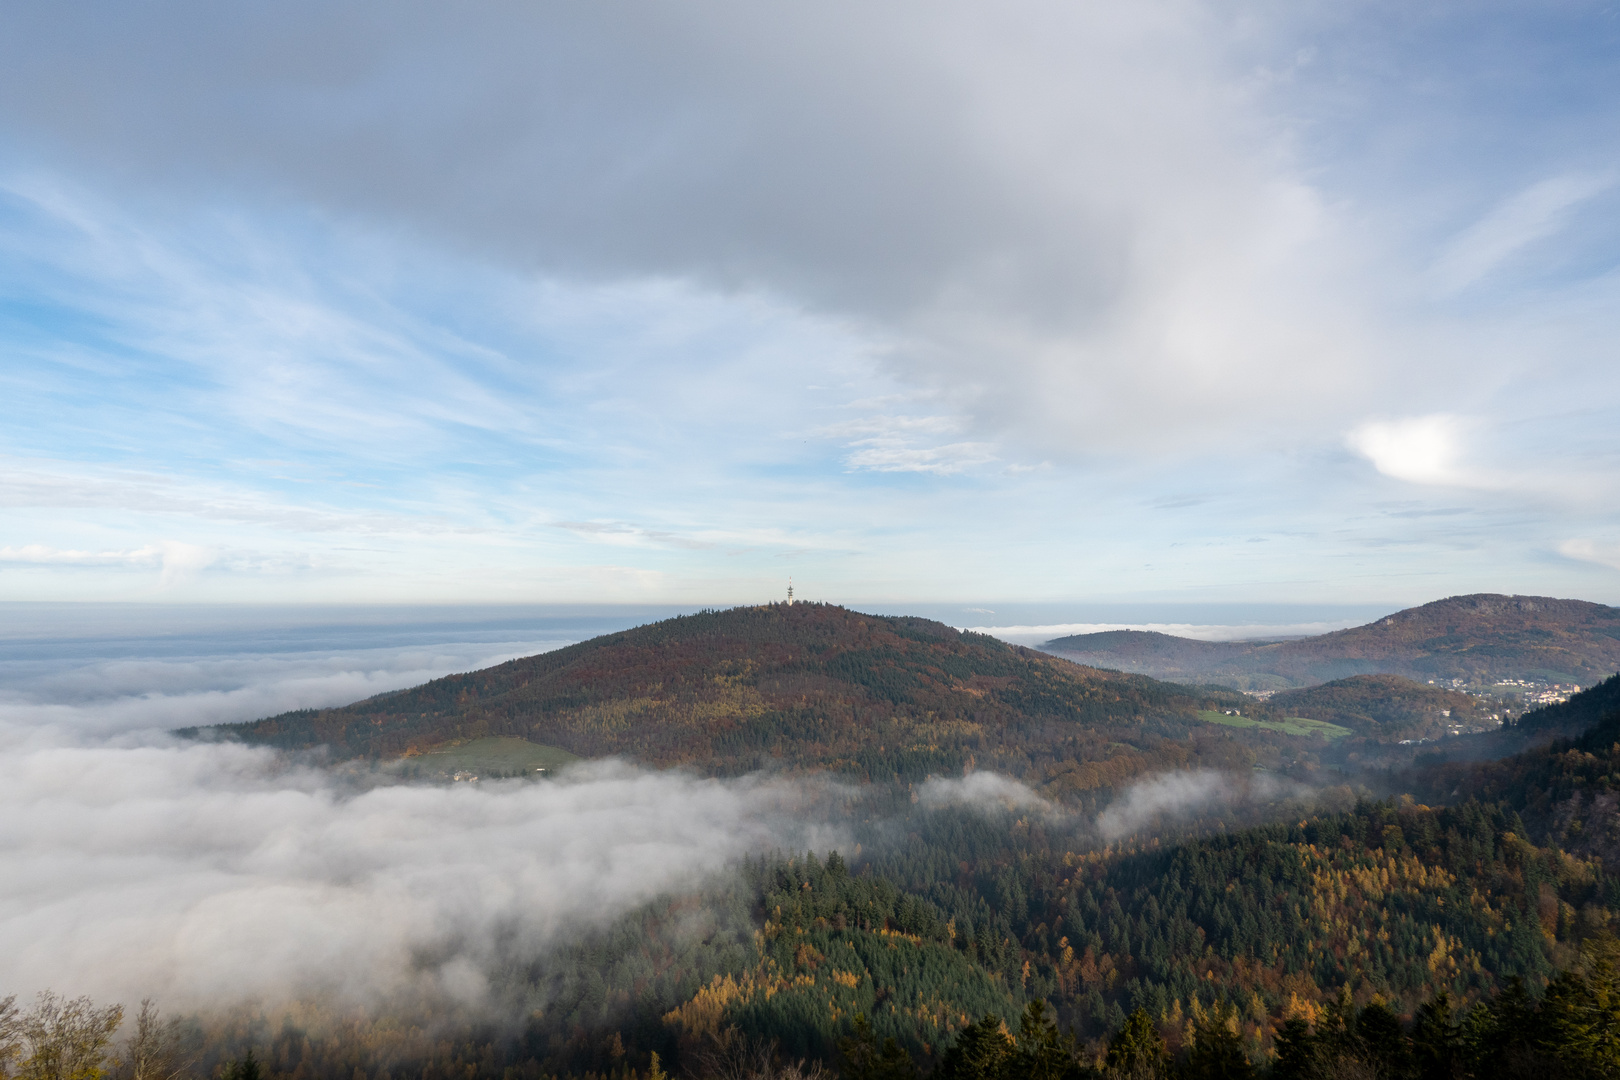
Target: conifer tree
1436,1040
1297,1051
1382,1043
981,1052
1043,1054
245,1069
1217,1050
1137,1049
864,1059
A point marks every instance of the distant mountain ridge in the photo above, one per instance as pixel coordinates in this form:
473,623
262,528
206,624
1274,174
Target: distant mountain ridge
1483,637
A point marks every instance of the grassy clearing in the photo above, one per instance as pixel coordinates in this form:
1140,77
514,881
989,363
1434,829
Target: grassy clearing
495,756
1290,725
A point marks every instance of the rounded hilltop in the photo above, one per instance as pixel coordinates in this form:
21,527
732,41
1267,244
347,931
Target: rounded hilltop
805,685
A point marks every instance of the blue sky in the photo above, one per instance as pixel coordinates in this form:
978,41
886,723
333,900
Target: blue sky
915,303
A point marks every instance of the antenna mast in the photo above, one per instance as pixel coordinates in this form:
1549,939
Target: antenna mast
790,591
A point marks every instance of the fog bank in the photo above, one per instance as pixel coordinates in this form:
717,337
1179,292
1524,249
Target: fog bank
1170,798
201,874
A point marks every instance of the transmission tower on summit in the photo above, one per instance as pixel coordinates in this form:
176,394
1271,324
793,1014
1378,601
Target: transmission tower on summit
790,591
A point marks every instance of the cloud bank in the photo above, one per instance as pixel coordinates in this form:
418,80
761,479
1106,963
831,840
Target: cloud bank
209,874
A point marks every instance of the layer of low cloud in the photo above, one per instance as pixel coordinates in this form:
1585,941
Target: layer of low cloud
206,873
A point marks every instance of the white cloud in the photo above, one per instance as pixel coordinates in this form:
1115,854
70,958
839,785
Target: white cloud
1418,449
41,553
71,486
1067,221
1445,450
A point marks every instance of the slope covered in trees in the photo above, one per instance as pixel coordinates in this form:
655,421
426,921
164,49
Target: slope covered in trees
1479,638
803,685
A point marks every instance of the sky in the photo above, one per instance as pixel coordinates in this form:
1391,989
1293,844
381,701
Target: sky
1167,302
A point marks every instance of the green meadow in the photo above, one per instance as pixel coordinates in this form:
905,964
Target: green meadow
1290,725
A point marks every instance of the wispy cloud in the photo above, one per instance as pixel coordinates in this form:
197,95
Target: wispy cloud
1536,213
883,455
177,561
1587,550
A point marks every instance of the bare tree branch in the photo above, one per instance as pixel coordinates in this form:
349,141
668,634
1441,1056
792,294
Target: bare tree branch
66,1039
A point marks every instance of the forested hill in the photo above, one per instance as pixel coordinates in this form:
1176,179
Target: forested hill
1384,706
1478,638
802,685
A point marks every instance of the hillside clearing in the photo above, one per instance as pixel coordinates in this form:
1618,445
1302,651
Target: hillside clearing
495,755
1289,725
